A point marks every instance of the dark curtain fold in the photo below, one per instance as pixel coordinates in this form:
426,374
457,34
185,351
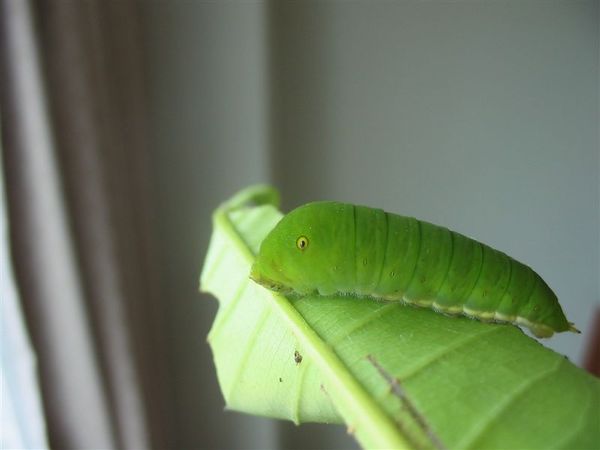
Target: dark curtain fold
81,231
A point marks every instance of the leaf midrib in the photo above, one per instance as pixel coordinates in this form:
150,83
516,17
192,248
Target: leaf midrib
376,422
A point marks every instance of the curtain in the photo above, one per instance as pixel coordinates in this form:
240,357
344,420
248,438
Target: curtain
21,416
74,161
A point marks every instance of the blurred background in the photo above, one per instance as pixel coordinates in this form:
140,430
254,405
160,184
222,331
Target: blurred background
125,123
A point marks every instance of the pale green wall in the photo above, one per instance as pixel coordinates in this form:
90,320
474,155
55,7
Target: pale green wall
482,116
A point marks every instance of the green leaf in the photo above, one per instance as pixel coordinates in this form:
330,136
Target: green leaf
397,376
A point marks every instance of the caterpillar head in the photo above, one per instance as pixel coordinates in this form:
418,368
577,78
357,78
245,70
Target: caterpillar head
301,253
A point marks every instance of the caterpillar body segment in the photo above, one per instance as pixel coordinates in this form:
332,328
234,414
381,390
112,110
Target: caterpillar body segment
327,248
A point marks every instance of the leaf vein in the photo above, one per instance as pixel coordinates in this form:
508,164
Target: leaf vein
225,315
298,393
364,321
247,350
575,430
503,406
436,356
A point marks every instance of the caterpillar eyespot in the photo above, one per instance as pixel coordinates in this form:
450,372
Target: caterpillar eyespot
367,252
302,242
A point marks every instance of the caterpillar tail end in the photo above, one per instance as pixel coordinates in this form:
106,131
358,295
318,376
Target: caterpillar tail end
573,329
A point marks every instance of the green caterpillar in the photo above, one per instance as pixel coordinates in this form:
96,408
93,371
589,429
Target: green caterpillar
329,248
